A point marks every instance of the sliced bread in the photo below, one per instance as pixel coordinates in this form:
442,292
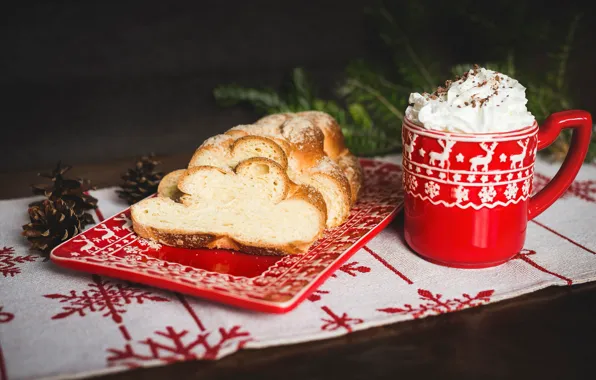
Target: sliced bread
269,187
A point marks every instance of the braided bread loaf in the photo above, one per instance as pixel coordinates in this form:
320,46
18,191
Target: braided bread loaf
271,187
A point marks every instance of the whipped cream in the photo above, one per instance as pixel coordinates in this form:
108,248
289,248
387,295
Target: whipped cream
482,101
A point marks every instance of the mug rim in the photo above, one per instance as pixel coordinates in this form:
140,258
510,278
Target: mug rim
471,136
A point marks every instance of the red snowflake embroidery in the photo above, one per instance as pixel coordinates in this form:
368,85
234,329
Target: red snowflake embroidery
352,269
338,321
5,317
103,296
523,255
171,346
585,190
9,261
435,305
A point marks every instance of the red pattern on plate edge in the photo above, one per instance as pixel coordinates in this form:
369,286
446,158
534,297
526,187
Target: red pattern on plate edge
112,249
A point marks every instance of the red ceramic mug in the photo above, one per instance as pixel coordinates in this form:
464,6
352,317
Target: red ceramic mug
469,196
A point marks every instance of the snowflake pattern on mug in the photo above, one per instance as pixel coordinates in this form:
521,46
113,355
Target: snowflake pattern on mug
526,186
487,194
432,189
461,194
411,182
511,190
465,171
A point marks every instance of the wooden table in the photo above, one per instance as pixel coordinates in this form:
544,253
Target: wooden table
547,334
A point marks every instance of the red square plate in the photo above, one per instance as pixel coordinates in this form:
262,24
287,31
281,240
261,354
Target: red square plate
263,283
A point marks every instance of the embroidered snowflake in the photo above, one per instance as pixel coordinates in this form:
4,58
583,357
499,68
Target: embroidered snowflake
410,165
459,158
417,169
442,175
585,189
484,179
503,157
511,191
509,176
9,261
435,304
432,189
338,321
498,177
457,177
422,152
102,296
526,186
471,178
461,194
487,194
412,183
354,268
429,172
520,174
171,345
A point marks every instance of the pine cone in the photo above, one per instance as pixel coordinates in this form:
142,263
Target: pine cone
53,222
69,190
141,181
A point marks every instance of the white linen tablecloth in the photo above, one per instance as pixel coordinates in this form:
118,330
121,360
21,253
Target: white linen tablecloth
60,323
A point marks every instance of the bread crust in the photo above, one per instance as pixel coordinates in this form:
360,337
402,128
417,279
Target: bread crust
209,241
334,139
353,172
305,145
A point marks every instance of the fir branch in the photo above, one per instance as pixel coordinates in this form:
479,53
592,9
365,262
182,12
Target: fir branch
357,84
263,100
300,91
565,51
298,94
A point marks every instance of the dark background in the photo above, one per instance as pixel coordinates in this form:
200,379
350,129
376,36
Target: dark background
90,81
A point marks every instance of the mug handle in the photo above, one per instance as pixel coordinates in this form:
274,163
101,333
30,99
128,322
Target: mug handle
581,122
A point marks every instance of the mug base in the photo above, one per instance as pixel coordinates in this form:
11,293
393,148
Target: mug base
464,238
460,265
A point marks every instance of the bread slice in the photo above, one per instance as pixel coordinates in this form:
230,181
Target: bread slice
298,144
168,186
294,168
253,209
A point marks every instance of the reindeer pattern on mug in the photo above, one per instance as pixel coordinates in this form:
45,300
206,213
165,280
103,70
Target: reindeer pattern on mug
469,171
